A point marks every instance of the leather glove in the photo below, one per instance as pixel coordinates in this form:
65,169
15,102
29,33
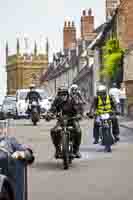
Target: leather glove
90,115
18,155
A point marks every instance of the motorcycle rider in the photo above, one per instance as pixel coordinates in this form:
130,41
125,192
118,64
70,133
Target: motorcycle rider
63,103
33,95
103,103
115,93
76,94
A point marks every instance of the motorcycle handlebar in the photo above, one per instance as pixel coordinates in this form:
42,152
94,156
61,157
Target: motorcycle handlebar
69,118
91,116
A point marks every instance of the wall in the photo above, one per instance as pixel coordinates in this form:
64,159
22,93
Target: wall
128,78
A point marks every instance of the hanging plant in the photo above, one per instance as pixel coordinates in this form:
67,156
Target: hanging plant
112,56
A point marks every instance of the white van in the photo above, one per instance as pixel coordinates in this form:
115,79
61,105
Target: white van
22,105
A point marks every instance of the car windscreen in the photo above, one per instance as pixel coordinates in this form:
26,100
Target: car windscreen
22,95
44,95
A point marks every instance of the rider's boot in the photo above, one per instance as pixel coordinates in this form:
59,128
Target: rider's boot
58,152
116,139
76,145
95,141
108,149
76,152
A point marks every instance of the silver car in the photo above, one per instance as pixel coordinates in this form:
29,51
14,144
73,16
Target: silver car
9,106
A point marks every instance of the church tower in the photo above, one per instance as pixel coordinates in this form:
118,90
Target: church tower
111,5
24,69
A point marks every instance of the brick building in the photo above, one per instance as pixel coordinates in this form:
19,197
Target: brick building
119,24
67,66
125,23
111,5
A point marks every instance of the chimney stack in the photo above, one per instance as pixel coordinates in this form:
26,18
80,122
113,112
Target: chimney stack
87,24
69,35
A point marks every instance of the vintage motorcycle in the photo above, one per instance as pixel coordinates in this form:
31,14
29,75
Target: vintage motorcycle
34,108
67,139
66,131
105,130
104,122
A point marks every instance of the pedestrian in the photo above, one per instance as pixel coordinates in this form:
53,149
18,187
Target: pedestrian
115,93
123,99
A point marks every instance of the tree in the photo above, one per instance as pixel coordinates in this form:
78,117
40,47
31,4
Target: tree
112,59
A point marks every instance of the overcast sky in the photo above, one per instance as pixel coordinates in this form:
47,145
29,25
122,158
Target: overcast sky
38,19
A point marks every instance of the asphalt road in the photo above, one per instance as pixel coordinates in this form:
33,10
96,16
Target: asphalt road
96,176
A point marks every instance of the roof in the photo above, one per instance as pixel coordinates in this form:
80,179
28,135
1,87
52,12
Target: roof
82,74
61,67
102,34
99,28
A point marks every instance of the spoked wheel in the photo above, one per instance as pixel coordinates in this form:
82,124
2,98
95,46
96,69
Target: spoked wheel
65,151
71,154
35,118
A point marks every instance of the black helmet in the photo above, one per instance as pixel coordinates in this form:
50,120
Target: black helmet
62,91
114,85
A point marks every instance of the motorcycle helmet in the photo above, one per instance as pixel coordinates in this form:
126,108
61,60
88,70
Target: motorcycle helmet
102,90
73,89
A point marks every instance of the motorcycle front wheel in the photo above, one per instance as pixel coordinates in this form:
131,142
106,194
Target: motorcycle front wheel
107,139
65,150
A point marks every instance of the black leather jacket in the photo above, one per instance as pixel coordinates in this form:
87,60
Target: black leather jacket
68,107
33,96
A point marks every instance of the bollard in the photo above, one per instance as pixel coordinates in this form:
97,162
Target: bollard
21,180
4,126
10,125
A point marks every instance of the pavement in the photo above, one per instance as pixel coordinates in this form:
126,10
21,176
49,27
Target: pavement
96,176
126,122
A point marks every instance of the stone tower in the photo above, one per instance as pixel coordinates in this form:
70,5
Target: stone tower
111,5
87,25
69,35
24,69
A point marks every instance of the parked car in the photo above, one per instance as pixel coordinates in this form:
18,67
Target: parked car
9,106
0,107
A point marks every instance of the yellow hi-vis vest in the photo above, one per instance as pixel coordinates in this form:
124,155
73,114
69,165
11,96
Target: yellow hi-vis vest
103,107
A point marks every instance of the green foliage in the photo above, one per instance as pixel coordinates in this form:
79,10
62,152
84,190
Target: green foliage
112,56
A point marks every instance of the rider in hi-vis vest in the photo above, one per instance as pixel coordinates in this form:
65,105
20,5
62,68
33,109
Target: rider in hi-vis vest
103,103
102,107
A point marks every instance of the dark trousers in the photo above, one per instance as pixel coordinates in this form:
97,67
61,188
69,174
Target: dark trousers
122,106
76,134
115,127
